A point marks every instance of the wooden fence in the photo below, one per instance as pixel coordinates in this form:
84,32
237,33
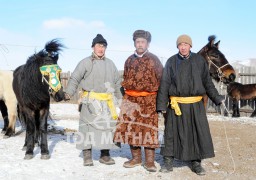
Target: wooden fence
245,75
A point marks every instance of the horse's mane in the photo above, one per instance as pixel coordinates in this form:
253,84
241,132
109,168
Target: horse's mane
52,49
54,46
211,38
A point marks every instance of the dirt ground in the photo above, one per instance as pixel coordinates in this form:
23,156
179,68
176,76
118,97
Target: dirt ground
234,159
240,161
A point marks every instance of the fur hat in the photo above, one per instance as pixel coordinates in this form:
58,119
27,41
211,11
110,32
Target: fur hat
184,39
142,34
99,39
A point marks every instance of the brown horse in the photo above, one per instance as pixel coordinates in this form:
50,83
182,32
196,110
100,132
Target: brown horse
219,67
238,91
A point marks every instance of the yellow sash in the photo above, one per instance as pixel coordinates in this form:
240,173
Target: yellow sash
104,97
184,100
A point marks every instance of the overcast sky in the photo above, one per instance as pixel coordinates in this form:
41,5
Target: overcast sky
25,27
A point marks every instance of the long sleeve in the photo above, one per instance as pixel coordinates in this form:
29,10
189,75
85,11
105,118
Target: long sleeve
117,84
76,78
163,92
158,70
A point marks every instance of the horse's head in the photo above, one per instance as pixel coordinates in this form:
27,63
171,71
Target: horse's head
50,70
219,67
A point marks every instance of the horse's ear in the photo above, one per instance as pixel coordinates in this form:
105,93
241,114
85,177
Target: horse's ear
211,43
217,44
211,40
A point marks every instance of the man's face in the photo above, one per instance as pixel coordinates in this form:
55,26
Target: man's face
99,49
184,49
141,45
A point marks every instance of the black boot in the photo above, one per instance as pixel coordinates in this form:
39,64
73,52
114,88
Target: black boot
168,164
197,168
105,157
87,157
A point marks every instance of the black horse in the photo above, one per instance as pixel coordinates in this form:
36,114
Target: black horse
219,67
238,91
33,83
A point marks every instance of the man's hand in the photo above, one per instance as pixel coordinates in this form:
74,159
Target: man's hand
161,115
161,119
66,96
223,102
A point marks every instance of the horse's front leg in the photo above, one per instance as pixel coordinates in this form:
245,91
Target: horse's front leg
6,124
254,112
12,115
236,112
10,131
30,138
43,131
24,148
4,112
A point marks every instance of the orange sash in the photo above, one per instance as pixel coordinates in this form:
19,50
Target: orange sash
139,93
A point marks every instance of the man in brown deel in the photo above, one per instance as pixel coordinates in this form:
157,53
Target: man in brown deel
138,120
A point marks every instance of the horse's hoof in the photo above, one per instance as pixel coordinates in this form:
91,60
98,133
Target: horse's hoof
24,148
235,115
3,131
9,133
45,156
6,136
28,156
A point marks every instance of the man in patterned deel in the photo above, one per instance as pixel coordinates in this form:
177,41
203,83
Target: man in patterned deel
138,121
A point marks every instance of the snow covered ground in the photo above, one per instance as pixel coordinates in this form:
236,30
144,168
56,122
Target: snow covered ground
66,161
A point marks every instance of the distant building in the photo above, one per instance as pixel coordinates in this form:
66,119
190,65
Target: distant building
245,63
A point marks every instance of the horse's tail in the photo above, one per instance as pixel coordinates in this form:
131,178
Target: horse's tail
21,116
54,46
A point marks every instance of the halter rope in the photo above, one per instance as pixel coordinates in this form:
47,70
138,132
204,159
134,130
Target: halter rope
220,73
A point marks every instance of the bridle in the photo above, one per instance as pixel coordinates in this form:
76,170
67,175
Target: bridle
53,72
219,71
50,90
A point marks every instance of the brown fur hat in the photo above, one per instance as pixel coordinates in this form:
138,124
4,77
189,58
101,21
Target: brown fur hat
142,34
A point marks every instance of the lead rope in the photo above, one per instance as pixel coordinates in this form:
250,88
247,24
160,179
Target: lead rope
50,92
225,131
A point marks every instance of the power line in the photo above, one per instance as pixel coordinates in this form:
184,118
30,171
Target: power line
5,49
34,46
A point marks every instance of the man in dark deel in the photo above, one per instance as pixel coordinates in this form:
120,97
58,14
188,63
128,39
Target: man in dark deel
187,135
